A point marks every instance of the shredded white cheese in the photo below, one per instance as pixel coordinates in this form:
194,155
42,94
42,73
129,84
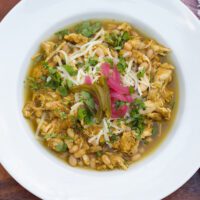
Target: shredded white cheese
56,51
117,130
84,51
104,131
40,125
65,55
80,76
130,78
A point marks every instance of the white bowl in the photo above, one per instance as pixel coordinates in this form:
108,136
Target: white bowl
155,177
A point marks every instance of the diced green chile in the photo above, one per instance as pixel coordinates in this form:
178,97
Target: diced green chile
100,91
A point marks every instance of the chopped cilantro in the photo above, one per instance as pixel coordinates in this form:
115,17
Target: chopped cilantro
137,122
70,70
141,73
118,104
131,89
61,147
98,153
92,61
43,78
80,64
109,60
75,123
50,135
139,104
88,28
33,83
122,65
114,137
125,36
55,80
117,40
62,33
69,84
63,91
70,139
63,115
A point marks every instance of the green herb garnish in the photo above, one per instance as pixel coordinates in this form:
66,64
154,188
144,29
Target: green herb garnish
98,153
87,28
131,89
33,83
62,33
117,40
63,115
141,73
139,104
63,91
61,147
70,70
109,60
114,138
118,104
122,65
137,122
55,78
93,61
50,135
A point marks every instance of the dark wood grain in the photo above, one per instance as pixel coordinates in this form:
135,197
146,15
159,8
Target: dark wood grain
11,190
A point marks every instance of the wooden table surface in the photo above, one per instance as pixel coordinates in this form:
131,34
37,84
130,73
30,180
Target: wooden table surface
11,190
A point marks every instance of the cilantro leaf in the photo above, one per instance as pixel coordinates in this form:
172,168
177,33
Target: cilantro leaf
55,78
114,138
88,28
92,61
118,104
61,147
33,83
139,104
98,153
131,89
62,33
63,91
117,40
50,135
109,60
141,73
137,122
70,70
63,115
122,65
